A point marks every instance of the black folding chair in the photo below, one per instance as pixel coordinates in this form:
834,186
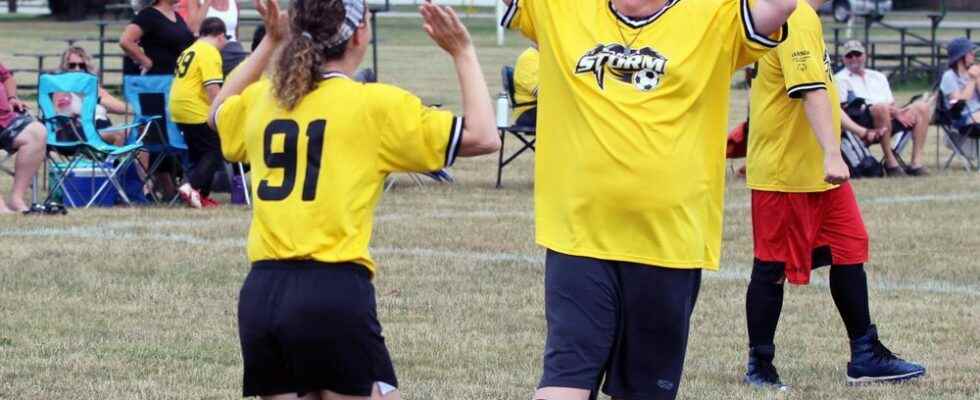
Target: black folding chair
947,117
525,133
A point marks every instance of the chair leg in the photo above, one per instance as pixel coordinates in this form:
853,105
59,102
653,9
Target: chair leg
500,160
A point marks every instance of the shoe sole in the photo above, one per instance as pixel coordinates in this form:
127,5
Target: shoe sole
767,386
881,379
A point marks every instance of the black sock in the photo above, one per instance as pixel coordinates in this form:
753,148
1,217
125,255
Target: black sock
849,287
764,302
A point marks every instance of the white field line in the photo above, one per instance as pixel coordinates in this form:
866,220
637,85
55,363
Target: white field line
727,273
737,273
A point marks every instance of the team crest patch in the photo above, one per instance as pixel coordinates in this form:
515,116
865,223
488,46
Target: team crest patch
644,69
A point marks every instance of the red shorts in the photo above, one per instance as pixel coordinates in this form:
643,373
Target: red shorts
789,227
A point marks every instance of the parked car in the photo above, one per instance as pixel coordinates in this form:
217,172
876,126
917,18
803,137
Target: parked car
842,10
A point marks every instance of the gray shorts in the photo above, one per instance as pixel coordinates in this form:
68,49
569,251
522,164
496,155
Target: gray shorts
9,134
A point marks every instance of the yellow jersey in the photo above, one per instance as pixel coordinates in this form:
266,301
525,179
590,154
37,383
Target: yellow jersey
783,152
526,81
638,109
197,67
318,170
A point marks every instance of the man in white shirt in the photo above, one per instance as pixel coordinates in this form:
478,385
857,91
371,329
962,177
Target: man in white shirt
882,115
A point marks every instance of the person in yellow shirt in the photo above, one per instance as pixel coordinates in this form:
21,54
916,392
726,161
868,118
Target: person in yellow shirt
804,213
320,145
526,87
198,78
629,177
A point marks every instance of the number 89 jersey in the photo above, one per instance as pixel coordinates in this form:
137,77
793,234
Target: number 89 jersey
197,67
318,170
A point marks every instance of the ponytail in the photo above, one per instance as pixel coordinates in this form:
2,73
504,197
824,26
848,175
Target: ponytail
312,23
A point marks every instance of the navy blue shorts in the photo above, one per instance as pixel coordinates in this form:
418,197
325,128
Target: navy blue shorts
307,326
622,323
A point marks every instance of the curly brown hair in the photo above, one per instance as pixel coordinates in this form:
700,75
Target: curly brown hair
311,23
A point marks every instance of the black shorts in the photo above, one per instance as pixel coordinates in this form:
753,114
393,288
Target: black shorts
627,323
307,326
13,129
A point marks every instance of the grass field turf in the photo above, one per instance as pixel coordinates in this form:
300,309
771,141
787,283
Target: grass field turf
140,303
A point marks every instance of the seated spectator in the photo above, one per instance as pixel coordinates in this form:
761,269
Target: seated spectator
881,113
20,133
526,87
961,83
199,78
76,59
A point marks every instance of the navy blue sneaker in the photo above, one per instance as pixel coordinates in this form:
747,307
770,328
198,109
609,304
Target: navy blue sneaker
871,361
760,372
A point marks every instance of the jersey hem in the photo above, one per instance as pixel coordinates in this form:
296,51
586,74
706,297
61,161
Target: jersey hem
791,189
651,261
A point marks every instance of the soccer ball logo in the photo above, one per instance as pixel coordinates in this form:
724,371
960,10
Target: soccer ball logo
646,80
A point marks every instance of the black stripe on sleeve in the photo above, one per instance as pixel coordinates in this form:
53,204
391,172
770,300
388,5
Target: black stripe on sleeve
750,32
797,91
509,14
455,137
214,82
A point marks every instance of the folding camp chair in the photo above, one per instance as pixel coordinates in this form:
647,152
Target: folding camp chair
957,137
900,138
85,143
148,95
525,133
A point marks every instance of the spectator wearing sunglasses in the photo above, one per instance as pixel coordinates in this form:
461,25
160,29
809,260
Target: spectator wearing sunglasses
881,117
76,59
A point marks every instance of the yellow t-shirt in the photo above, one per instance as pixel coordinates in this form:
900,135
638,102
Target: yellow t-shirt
318,170
639,110
197,67
526,81
783,153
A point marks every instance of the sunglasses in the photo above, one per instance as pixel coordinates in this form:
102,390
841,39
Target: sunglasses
82,65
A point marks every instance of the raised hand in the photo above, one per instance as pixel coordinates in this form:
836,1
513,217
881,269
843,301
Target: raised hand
444,27
276,21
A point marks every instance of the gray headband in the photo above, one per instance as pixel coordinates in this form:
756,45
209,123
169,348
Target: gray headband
355,12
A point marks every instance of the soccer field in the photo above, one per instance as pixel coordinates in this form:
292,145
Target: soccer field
141,303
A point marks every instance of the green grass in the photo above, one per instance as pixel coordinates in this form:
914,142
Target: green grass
140,303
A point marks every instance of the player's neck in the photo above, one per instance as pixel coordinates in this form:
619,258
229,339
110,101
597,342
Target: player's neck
638,8
344,66
815,3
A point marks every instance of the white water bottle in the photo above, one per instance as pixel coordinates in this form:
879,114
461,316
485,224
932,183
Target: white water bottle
503,110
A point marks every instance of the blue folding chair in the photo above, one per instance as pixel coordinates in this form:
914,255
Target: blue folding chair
149,96
84,142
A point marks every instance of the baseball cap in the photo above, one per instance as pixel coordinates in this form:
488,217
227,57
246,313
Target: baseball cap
355,11
958,48
853,46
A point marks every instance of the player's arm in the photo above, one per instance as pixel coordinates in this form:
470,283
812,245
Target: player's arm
818,111
768,16
212,90
444,27
251,69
